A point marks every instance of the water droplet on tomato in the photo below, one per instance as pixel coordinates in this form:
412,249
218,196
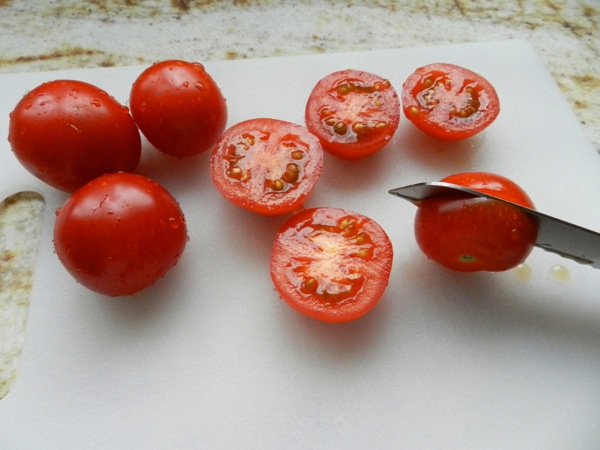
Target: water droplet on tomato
198,85
95,102
186,84
174,223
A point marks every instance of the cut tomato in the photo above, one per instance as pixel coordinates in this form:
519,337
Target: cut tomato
331,264
266,165
353,113
448,101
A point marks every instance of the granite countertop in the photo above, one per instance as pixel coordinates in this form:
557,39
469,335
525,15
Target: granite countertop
49,35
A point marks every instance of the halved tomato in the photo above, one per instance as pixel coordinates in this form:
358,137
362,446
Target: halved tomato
268,166
331,264
353,113
449,101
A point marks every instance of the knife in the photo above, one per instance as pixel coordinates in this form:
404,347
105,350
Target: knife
554,235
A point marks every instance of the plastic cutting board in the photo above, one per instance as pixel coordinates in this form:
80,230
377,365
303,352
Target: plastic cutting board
210,358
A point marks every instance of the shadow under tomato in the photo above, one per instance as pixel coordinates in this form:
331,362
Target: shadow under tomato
336,343
484,303
172,172
343,178
438,154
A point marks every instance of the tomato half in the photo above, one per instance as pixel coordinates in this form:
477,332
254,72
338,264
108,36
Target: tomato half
331,264
68,132
266,165
178,107
448,101
468,234
120,233
353,113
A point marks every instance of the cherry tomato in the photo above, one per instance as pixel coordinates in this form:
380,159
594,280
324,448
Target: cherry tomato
266,165
448,101
120,233
353,113
331,264
68,132
178,107
468,234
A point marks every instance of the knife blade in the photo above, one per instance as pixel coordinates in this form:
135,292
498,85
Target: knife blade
554,235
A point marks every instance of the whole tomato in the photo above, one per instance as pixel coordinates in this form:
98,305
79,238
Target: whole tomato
68,132
178,107
120,233
467,233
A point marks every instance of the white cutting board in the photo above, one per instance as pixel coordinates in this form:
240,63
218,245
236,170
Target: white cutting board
210,358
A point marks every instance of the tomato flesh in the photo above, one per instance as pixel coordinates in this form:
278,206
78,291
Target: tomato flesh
267,166
119,234
353,113
466,233
448,101
331,264
68,132
178,107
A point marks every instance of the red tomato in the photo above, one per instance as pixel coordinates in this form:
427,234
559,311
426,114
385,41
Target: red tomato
266,165
178,107
68,132
468,234
331,264
448,101
353,113
120,233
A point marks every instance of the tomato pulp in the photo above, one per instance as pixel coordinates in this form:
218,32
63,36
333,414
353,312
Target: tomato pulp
468,234
331,264
353,113
178,107
268,166
120,233
68,132
449,101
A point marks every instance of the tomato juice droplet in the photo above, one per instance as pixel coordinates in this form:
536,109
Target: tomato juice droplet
523,272
560,273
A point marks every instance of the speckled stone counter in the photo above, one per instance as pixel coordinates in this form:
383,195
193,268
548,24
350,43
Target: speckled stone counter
48,35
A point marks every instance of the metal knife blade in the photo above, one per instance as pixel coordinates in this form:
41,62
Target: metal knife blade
554,235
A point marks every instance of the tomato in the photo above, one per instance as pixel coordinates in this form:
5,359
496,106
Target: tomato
468,234
353,113
331,264
448,101
178,107
266,165
68,132
120,233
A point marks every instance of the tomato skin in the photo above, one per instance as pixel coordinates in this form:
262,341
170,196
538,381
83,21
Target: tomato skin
120,233
448,101
265,165
468,234
331,264
68,132
178,107
353,113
